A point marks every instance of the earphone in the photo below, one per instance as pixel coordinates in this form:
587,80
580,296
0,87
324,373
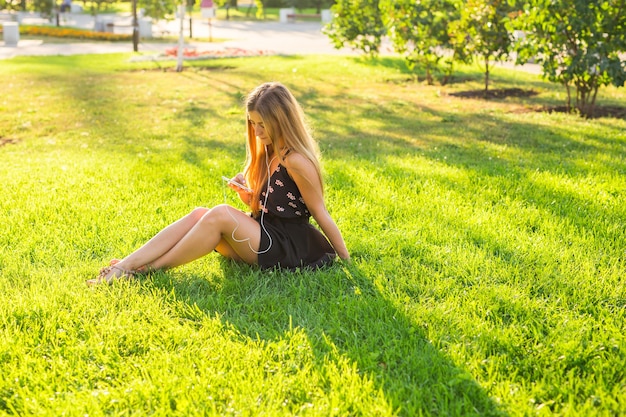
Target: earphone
267,194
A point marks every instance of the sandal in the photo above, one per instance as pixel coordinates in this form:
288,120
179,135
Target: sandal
109,273
140,270
106,269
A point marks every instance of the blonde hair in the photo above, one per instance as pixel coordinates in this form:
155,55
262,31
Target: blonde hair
285,125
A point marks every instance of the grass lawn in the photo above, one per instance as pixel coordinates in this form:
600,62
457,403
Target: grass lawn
488,243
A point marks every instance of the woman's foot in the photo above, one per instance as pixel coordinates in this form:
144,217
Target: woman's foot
110,273
141,270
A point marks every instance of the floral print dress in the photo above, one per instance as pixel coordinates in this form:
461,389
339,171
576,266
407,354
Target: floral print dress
288,240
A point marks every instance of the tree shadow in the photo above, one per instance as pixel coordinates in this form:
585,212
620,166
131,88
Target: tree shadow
388,346
408,75
599,111
496,93
346,317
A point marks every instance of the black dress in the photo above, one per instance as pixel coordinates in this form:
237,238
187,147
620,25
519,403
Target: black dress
288,240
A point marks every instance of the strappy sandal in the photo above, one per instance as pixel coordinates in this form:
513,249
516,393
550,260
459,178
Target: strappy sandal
105,275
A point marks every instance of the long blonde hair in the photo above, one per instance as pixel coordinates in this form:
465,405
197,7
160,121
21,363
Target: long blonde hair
285,125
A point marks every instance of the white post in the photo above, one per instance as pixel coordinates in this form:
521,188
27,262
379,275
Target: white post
11,31
181,38
208,12
326,16
145,28
284,12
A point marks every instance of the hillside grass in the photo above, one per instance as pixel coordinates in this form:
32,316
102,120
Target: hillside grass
487,239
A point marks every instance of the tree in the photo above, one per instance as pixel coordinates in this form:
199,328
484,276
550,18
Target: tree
419,30
318,5
96,5
135,26
483,30
45,7
577,43
158,9
357,24
12,5
260,10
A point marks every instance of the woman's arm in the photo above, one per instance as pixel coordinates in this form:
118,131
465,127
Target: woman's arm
245,196
305,176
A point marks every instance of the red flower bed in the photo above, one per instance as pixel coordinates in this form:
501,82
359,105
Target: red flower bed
222,53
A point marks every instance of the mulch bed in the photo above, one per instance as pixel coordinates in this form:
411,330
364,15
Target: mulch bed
618,112
496,93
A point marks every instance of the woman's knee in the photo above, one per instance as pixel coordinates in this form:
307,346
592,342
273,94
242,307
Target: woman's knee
198,213
218,215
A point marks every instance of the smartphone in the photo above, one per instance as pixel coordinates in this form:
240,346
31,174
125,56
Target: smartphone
235,183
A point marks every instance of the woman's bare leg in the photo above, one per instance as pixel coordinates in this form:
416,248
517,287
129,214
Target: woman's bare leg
194,236
162,242
215,231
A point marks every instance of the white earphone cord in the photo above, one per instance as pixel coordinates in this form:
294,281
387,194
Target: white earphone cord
267,193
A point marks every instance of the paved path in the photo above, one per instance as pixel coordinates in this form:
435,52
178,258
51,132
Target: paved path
282,38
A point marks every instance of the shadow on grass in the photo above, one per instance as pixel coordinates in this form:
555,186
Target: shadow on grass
528,87
540,166
599,111
343,312
408,75
496,93
345,317
412,128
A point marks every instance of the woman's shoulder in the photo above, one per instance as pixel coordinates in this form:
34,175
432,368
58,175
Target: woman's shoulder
296,161
298,165
301,170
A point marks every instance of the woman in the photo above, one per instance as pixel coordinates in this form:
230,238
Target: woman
284,178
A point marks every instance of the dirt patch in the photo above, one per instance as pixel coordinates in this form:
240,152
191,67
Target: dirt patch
7,141
498,93
617,112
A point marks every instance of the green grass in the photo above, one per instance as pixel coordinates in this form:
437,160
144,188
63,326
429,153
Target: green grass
487,239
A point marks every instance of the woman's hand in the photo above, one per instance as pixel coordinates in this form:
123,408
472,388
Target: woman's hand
244,194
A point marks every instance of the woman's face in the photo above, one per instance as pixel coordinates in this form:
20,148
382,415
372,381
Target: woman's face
256,121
